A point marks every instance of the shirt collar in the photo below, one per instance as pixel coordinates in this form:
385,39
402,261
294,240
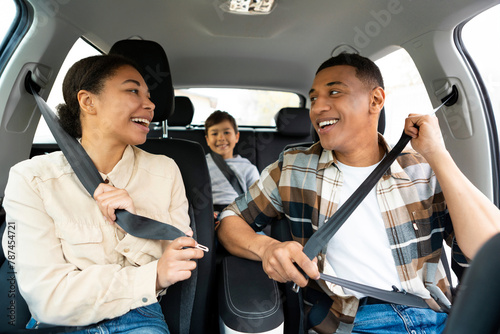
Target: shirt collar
328,158
122,172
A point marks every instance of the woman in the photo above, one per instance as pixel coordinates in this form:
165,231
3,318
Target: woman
74,265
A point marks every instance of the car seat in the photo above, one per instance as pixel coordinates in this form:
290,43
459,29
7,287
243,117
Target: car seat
183,112
187,304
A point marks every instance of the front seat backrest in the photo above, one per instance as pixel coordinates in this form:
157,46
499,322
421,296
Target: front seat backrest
187,304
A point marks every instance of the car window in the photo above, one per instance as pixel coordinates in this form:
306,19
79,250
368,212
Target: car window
484,52
81,49
8,15
402,84
249,107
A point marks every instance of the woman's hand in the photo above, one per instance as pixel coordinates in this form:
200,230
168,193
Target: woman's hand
110,198
176,262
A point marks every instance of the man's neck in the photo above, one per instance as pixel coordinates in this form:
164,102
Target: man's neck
365,156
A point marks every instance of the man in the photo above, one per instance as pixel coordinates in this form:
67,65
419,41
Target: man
394,237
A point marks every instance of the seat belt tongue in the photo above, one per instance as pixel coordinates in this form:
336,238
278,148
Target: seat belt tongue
296,287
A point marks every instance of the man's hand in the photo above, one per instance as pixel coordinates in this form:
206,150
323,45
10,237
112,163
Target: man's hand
176,262
110,198
279,261
426,134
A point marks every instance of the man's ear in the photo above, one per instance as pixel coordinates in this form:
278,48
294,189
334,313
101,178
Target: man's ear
85,99
377,100
237,136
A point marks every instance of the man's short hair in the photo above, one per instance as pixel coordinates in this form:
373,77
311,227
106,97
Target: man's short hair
217,117
366,70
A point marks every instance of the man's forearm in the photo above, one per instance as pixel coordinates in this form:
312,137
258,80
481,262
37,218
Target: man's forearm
475,218
241,240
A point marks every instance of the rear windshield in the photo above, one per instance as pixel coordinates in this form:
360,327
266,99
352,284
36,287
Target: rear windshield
249,107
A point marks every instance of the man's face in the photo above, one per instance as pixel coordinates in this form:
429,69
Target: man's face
340,109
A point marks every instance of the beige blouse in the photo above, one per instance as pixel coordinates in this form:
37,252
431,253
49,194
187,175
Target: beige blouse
72,267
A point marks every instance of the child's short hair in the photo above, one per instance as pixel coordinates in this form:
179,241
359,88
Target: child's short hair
217,117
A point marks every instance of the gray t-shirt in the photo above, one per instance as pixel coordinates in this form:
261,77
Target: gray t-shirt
222,191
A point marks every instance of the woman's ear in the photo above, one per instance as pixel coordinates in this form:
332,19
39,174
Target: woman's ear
377,100
85,99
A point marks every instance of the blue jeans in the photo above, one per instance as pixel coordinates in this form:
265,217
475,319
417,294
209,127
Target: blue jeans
390,319
143,320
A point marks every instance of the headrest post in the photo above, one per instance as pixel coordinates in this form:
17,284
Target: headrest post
164,125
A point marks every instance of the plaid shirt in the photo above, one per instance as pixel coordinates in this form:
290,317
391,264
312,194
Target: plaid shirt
304,186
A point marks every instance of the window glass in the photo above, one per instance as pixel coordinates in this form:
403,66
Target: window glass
7,16
81,49
405,92
479,38
248,106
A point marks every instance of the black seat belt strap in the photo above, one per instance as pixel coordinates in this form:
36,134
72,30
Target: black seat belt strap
90,178
227,172
320,239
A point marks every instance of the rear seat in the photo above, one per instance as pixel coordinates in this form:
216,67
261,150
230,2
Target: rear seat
292,126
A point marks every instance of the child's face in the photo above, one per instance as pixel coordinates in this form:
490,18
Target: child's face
222,139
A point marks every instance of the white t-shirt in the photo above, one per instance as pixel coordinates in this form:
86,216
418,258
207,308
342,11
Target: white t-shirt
360,250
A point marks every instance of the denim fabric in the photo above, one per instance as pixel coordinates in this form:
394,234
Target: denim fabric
390,319
143,320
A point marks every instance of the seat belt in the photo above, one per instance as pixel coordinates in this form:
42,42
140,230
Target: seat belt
90,178
227,172
320,239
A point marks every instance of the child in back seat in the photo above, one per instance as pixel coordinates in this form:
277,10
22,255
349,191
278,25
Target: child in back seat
221,133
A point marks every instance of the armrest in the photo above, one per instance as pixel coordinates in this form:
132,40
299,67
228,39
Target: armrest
249,302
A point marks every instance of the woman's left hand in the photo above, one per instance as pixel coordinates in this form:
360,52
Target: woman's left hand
110,198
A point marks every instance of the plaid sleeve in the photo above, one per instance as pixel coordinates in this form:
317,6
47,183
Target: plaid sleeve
262,202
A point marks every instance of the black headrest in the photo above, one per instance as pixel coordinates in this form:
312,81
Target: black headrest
183,112
294,122
151,58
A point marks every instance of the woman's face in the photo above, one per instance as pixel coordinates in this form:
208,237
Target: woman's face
122,110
